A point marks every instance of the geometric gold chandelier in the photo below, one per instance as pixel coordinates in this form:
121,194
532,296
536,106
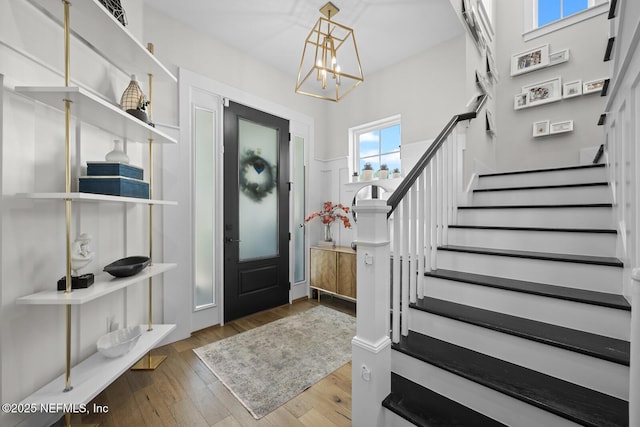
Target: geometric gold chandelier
330,65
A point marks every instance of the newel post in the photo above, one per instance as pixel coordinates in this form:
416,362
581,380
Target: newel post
634,376
371,347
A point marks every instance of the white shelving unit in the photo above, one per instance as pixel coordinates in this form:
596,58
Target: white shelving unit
104,284
92,24
93,374
105,35
91,197
90,109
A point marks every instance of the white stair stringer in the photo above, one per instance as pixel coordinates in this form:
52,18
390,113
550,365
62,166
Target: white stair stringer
544,177
557,217
571,274
391,419
544,196
496,405
597,374
568,242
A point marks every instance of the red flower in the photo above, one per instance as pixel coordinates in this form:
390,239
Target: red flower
330,213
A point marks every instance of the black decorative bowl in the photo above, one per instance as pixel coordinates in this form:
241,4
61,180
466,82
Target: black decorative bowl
127,266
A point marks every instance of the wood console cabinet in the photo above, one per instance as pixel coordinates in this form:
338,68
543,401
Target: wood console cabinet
333,270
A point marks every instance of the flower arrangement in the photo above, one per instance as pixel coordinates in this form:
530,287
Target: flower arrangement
330,213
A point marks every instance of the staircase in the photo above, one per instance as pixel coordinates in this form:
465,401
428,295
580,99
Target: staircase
522,322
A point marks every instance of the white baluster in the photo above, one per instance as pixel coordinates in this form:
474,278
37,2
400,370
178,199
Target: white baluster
421,232
404,297
397,242
427,218
434,213
413,257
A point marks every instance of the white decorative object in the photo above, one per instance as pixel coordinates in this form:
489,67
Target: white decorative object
572,89
81,255
117,154
120,342
383,173
133,97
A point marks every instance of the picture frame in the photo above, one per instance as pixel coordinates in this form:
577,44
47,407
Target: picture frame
593,86
572,89
544,92
561,127
559,57
540,128
530,60
521,101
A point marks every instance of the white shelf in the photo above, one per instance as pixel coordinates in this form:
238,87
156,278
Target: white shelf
90,21
95,373
95,111
104,284
91,197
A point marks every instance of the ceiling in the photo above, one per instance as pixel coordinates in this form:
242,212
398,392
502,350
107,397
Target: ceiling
273,31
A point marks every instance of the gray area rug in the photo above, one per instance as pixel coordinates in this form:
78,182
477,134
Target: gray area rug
267,366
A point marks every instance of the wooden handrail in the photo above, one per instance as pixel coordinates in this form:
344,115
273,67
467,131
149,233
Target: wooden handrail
414,173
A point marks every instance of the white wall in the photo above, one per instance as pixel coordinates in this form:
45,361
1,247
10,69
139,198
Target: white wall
32,257
516,148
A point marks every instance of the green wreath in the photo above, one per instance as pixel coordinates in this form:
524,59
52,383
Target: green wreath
253,162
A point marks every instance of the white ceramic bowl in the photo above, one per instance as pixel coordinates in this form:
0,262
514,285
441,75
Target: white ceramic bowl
120,342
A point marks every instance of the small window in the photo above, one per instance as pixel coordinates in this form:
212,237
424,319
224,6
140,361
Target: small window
554,10
377,143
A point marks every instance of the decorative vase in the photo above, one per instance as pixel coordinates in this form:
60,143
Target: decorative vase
117,154
327,233
367,174
132,97
383,174
396,174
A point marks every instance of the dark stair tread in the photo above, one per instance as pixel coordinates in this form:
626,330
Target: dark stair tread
579,404
542,187
546,229
564,168
547,256
561,292
605,348
424,407
554,206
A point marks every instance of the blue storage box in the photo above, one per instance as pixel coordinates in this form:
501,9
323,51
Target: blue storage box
114,186
114,169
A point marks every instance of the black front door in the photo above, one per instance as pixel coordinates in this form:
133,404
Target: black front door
256,211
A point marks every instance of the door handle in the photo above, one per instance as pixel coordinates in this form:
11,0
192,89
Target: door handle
230,240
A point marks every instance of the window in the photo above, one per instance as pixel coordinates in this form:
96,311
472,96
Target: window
545,16
377,143
554,10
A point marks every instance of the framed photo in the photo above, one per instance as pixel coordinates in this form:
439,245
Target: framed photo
530,60
544,92
561,127
541,128
520,101
559,57
593,86
572,89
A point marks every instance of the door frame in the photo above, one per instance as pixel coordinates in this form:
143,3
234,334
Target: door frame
176,174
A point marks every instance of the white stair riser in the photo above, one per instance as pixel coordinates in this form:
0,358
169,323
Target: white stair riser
538,217
507,410
577,275
591,194
597,244
603,376
570,314
391,419
574,176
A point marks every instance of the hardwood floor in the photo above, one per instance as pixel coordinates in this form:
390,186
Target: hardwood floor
182,391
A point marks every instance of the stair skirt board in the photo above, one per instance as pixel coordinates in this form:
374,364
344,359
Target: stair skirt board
597,216
391,419
595,319
597,374
496,405
585,243
585,276
555,177
543,195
